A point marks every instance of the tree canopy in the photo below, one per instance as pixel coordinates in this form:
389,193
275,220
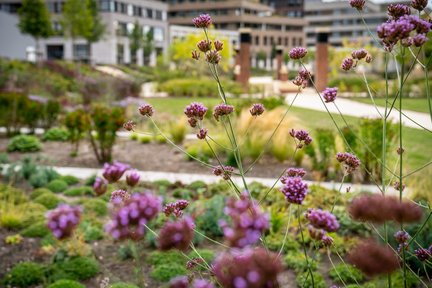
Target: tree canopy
35,19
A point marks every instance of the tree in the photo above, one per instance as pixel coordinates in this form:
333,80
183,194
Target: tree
136,41
97,29
148,46
77,19
35,21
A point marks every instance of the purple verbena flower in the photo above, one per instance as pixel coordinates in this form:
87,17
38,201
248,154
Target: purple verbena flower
129,125
119,196
302,136
146,110
128,220
132,178
419,4
218,45
213,57
100,186
358,4
321,219
327,240
247,268
195,111
329,94
202,283
113,172
248,222
202,21
368,58
63,220
295,190
204,45
294,172
423,254
350,161
191,264
224,171
202,133
396,10
175,208
257,109
179,282
222,110
359,54
397,186
176,234
196,55
347,64
401,236
419,39
297,53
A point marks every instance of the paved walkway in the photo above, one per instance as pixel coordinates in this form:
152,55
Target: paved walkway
187,178
309,99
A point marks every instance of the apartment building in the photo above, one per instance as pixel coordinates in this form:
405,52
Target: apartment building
268,29
290,8
343,21
119,18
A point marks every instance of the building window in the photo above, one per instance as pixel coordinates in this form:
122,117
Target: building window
265,40
130,10
106,6
159,15
158,34
55,52
81,51
57,28
257,40
120,54
286,41
149,13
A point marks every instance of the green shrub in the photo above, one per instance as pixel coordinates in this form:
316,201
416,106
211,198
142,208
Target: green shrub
123,285
57,186
183,193
80,268
177,131
38,192
134,136
38,229
77,123
160,139
92,233
157,258
42,176
274,243
298,263
206,254
128,250
66,284
90,181
322,151
70,180
209,213
145,139
56,134
196,185
188,87
96,206
25,274
50,201
79,191
346,274
304,280
167,271
24,143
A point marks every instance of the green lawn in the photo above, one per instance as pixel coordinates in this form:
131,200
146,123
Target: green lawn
417,142
414,104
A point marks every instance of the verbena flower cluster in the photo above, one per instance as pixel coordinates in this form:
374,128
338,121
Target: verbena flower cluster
248,222
119,196
402,238
202,133
132,178
374,259
175,208
202,21
329,94
295,190
195,112
302,137
250,268
419,5
358,4
321,219
63,220
257,109
293,172
408,29
350,161
224,171
302,78
176,234
113,172
128,221
146,110
100,186
129,125
297,53
423,254
222,110
379,209
356,56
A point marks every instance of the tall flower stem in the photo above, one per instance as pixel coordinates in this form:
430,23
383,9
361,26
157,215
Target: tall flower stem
304,245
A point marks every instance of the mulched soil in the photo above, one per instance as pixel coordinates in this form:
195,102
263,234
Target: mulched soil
145,157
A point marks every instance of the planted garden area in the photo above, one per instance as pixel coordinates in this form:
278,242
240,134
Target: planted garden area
113,229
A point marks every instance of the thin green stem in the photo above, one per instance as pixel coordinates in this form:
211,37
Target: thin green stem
286,232
304,246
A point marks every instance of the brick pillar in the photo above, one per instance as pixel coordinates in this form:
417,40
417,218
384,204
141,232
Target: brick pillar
244,57
321,60
279,60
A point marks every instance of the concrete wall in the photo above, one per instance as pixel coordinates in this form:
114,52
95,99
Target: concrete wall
12,43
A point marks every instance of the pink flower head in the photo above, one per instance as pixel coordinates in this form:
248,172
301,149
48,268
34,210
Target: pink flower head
202,21
195,111
297,53
358,4
100,186
397,10
224,171
419,4
218,45
350,161
257,109
113,172
202,133
119,196
128,220
179,282
248,222
202,283
401,236
321,219
213,57
359,54
146,110
176,234
347,64
222,110
196,55
419,39
175,208
329,94
204,45
302,136
132,178
295,190
63,220
129,125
